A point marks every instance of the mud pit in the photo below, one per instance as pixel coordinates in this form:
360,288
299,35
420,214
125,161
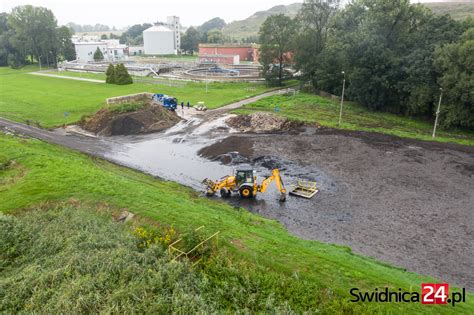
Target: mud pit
406,202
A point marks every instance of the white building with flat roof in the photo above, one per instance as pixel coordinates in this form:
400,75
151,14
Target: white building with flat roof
111,49
163,38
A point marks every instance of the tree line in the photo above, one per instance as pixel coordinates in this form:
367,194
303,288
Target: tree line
89,28
31,34
395,56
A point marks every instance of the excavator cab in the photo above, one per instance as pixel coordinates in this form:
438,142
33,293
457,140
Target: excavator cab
245,175
246,181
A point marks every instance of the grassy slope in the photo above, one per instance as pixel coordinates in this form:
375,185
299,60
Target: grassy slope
316,109
457,10
251,25
320,275
24,96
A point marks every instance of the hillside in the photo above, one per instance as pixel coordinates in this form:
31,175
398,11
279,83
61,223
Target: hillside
251,25
458,10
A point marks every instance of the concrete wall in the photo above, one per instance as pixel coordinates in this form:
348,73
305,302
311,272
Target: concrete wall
159,42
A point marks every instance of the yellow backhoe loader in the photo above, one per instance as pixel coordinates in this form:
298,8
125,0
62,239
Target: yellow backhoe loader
245,183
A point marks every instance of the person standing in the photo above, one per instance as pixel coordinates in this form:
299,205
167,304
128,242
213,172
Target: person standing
182,105
188,104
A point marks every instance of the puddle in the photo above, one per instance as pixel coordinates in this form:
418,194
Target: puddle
174,155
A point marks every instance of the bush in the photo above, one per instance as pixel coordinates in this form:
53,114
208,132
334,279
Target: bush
98,56
70,260
4,162
110,74
122,76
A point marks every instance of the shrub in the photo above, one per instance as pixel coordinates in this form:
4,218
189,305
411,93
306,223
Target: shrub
4,162
73,260
98,56
122,76
110,74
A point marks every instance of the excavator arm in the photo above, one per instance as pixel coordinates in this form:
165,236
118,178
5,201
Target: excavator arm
278,181
214,186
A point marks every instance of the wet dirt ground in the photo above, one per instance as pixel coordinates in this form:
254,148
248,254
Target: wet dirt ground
405,202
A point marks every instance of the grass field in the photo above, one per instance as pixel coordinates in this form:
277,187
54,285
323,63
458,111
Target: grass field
325,112
46,100
265,265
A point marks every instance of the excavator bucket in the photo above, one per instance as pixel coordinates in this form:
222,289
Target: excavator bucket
303,188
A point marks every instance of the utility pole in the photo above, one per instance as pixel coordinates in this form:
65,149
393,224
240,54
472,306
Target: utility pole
342,97
437,112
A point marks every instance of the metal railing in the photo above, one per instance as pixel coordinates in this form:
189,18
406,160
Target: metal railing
176,253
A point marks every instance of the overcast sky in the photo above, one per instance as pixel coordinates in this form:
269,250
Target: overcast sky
121,13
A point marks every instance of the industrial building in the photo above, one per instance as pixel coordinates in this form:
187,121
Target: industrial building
246,52
220,59
163,38
111,49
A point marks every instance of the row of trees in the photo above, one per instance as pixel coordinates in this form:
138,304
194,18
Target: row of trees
89,28
208,32
134,34
396,56
31,34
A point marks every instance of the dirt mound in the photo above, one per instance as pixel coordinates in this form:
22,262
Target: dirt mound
150,118
261,122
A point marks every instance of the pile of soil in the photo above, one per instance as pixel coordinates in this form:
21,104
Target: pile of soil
262,122
151,118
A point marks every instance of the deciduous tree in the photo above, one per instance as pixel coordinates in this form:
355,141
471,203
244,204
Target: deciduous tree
276,36
456,65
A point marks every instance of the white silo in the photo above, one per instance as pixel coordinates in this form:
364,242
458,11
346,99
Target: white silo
159,40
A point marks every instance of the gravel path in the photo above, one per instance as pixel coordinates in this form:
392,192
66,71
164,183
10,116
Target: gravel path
65,77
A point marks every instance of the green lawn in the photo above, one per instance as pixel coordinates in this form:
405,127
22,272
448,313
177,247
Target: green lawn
46,100
311,108
266,260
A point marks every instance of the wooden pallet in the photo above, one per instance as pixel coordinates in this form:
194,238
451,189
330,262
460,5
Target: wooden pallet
305,189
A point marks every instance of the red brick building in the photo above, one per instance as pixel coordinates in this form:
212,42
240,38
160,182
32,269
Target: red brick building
246,52
222,59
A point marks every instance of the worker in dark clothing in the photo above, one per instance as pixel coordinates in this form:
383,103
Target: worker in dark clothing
188,105
182,105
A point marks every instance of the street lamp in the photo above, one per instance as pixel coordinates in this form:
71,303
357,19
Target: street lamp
342,97
437,112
